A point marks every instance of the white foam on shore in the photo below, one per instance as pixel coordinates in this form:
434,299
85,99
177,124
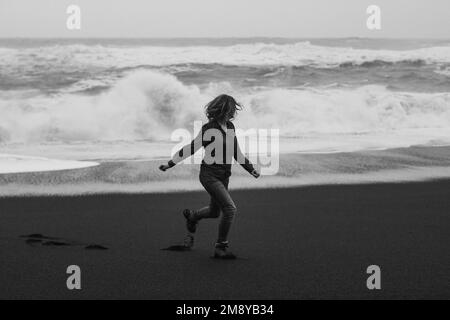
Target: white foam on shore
412,174
21,164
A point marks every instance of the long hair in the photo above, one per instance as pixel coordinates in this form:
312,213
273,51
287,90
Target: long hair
222,108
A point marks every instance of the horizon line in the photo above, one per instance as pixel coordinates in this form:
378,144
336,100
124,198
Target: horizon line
227,37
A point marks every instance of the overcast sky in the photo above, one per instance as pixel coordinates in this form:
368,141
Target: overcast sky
225,18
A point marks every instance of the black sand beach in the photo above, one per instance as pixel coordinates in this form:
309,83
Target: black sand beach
297,243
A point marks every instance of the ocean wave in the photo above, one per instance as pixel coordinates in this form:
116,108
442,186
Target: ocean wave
384,63
401,76
150,105
346,111
80,57
90,69
443,70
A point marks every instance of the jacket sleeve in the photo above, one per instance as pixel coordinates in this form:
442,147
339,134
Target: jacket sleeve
240,157
189,149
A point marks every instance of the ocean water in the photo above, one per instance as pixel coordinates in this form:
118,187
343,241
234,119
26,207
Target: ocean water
120,99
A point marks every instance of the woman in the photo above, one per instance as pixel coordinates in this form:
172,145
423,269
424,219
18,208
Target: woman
218,137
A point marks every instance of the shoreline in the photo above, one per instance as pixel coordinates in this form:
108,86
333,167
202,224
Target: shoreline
186,186
295,170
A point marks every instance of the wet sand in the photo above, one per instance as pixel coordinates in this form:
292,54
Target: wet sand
294,243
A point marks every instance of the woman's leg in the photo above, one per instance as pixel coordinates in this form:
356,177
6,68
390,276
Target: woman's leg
221,199
210,212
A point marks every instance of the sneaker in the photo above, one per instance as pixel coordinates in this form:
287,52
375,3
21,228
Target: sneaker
190,225
188,242
221,251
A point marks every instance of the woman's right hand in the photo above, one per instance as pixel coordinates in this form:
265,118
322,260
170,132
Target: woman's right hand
169,165
164,167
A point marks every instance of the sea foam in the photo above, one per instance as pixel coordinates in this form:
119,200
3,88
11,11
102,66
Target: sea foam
148,105
297,54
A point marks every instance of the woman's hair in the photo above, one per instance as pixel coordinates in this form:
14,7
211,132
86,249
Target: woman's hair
222,108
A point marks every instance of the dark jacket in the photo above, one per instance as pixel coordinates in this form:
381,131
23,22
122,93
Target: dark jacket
220,148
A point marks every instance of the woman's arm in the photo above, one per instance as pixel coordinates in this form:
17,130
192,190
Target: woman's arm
185,152
243,160
189,149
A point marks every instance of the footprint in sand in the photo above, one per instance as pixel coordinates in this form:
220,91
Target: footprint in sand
177,247
55,243
37,239
95,247
33,242
187,245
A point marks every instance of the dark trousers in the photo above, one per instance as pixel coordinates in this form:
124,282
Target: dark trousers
221,202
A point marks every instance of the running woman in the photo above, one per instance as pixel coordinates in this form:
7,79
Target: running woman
218,137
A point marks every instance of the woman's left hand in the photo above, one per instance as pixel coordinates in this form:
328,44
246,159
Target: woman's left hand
255,174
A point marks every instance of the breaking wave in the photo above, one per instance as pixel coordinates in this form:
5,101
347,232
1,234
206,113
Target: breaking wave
148,105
